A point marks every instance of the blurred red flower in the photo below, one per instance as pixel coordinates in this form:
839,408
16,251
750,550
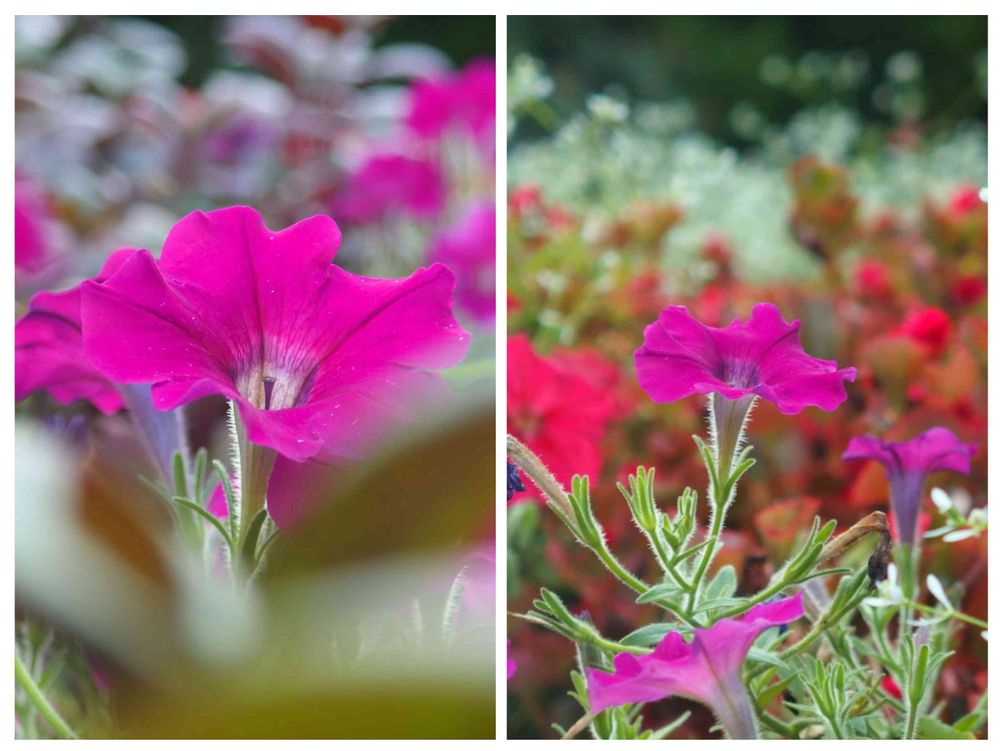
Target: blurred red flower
930,327
558,414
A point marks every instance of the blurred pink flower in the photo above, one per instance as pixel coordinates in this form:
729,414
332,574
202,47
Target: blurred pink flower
318,361
511,664
33,250
681,356
469,249
964,200
708,669
907,463
48,348
464,100
391,184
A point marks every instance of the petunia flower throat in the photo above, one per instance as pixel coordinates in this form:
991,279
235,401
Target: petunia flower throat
681,356
317,361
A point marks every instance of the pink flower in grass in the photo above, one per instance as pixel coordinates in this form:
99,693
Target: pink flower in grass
907,463
469,249
465,100
318,361
763,357
708,669
391,184
48,349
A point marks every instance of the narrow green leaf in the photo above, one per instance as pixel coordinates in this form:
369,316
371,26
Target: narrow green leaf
206,515
249,550
180,476
648,635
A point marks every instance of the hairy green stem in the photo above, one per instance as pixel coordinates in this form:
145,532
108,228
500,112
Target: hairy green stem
727,421
956,614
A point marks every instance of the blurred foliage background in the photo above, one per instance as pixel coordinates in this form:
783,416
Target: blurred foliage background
461,38
719,63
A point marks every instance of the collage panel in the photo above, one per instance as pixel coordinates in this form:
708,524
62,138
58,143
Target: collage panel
255,377
747,377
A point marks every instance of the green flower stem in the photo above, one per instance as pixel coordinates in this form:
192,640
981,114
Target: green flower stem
728,419
579,726
613,646
956,614
912,711
664,557
254,472
824,622
35,695
765,594
559,501
718,519
636,584
625,576
909,562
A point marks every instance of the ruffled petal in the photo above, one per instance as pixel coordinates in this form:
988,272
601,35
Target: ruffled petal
137,330
49,353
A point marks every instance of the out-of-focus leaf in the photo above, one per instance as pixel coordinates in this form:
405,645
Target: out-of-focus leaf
430,491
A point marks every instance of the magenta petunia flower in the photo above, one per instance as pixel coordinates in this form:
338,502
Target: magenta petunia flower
708,669
391,184
464,100
681,356
907,463
318,361
469,249
48,349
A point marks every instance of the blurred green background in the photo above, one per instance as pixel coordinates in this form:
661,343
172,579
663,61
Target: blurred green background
777,63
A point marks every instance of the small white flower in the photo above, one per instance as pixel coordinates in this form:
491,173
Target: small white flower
935,587
960,534
942,500
889,592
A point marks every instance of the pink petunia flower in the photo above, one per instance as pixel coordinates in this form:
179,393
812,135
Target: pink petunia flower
469,249
511,663
465,100
907,463
391,184
681,356
48,349
318,361
708,669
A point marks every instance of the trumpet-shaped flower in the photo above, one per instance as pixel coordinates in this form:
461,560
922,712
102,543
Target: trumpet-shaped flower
681,356
48,349
908,463
708,669
318,361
